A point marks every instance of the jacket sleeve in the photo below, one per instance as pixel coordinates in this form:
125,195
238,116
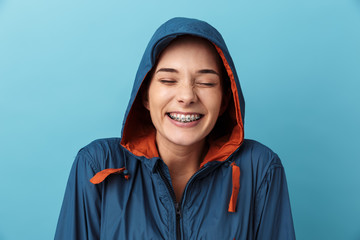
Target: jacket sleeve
273,219
80,212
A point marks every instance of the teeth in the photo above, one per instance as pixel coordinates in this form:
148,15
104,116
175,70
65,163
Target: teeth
184,118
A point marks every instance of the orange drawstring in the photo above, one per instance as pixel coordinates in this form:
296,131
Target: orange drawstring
100,176
235,187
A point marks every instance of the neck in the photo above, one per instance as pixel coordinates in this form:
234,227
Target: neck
182,161
179,157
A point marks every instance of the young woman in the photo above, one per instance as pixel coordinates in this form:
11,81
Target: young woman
182,168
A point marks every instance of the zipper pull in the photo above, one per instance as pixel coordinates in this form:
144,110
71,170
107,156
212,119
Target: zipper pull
178,210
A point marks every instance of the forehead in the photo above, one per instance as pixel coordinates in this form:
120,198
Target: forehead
187,48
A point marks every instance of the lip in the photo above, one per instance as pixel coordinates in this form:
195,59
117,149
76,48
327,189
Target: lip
182,124
185,113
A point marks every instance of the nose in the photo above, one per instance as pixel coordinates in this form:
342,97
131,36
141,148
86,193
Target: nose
186,94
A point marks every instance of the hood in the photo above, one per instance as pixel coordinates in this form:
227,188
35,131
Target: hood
138,132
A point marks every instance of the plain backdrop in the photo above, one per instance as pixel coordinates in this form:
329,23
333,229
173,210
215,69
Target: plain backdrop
66,72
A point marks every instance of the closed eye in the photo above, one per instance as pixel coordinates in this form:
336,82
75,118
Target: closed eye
206,84
167,81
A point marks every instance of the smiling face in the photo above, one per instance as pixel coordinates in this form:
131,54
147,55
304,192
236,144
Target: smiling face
185,92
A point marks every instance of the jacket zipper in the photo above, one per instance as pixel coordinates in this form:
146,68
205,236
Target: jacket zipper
177,205
178,216
172,193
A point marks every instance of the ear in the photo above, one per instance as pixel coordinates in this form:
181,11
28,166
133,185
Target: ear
225,102
145,100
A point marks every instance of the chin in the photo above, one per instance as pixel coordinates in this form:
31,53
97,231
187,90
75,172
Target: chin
186,141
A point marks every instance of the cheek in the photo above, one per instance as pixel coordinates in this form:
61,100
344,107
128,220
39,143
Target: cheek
212,100
158,98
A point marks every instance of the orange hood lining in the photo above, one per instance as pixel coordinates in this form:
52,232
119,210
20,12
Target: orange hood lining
139,132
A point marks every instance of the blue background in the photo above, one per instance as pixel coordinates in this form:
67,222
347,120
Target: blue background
66,71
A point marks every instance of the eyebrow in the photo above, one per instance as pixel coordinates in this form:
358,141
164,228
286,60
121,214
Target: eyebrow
208,71
173,70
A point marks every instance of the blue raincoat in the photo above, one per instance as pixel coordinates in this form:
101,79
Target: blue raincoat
120,188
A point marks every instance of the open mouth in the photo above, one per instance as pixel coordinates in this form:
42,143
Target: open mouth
185,118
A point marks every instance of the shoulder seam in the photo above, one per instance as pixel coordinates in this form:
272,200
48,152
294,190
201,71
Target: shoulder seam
271,166
91,160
